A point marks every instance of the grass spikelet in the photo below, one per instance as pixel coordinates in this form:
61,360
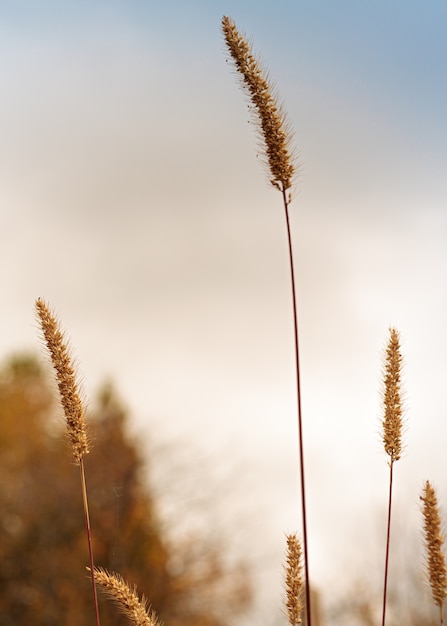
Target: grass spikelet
293,580
132,607
267,112
74,414
275,138
66,380
436,569
392,420
392,432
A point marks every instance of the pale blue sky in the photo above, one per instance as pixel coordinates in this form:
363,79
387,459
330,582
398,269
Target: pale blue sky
132,200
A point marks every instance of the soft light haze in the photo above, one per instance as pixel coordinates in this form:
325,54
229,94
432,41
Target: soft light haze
131,199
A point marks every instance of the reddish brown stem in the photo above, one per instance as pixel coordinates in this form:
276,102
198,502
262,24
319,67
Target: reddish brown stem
89,540
299,412
387,549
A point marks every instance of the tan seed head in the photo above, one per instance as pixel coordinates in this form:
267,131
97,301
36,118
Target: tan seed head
293,580
66,380
269,115
126,598
392,402
437,573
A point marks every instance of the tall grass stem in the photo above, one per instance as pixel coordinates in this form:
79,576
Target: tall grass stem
299,411
392,432
89,541
73,407
387,549
275,135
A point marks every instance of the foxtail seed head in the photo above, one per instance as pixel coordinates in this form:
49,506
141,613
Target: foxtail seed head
126,598
392,402
293,580
66,380
436,569
269,115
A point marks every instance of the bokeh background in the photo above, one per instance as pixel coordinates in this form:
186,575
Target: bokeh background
133,200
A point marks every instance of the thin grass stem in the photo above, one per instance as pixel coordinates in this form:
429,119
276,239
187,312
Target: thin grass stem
274,132
387,549
89,540
299,411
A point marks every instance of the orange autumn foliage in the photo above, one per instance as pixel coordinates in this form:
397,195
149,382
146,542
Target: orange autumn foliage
43,551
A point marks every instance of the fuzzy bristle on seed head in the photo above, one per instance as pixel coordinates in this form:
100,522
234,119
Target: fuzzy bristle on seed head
269,115
392,402
66,380
293,580
126,598
436,568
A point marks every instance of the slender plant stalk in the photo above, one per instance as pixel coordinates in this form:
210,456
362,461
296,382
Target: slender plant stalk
387,549
299,411
274,133
89,541
392,433
69,390
436,568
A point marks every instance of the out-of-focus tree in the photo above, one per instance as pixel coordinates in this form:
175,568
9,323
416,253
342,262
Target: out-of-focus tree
43,546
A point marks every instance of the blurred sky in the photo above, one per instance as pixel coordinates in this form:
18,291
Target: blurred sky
133,201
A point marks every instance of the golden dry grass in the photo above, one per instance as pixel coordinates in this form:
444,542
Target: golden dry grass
270,116
437,573
136,610
74,413
69,388
392,402
293,580
275,139
392,433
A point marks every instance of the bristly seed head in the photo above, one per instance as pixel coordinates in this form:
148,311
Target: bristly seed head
137,611
66,381
392,402
270,116
437,573
293,580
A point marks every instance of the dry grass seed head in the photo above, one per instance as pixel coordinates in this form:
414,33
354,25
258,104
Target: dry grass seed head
293,580
436,569
66,380
120,592
270,116
392,401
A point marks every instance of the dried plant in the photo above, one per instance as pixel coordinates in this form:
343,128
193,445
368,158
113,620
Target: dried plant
69,388
73,411
269,115
436,569
275,136
293,580
392,432
136,610
392,401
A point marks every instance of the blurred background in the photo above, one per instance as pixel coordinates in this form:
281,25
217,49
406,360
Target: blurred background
133,200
